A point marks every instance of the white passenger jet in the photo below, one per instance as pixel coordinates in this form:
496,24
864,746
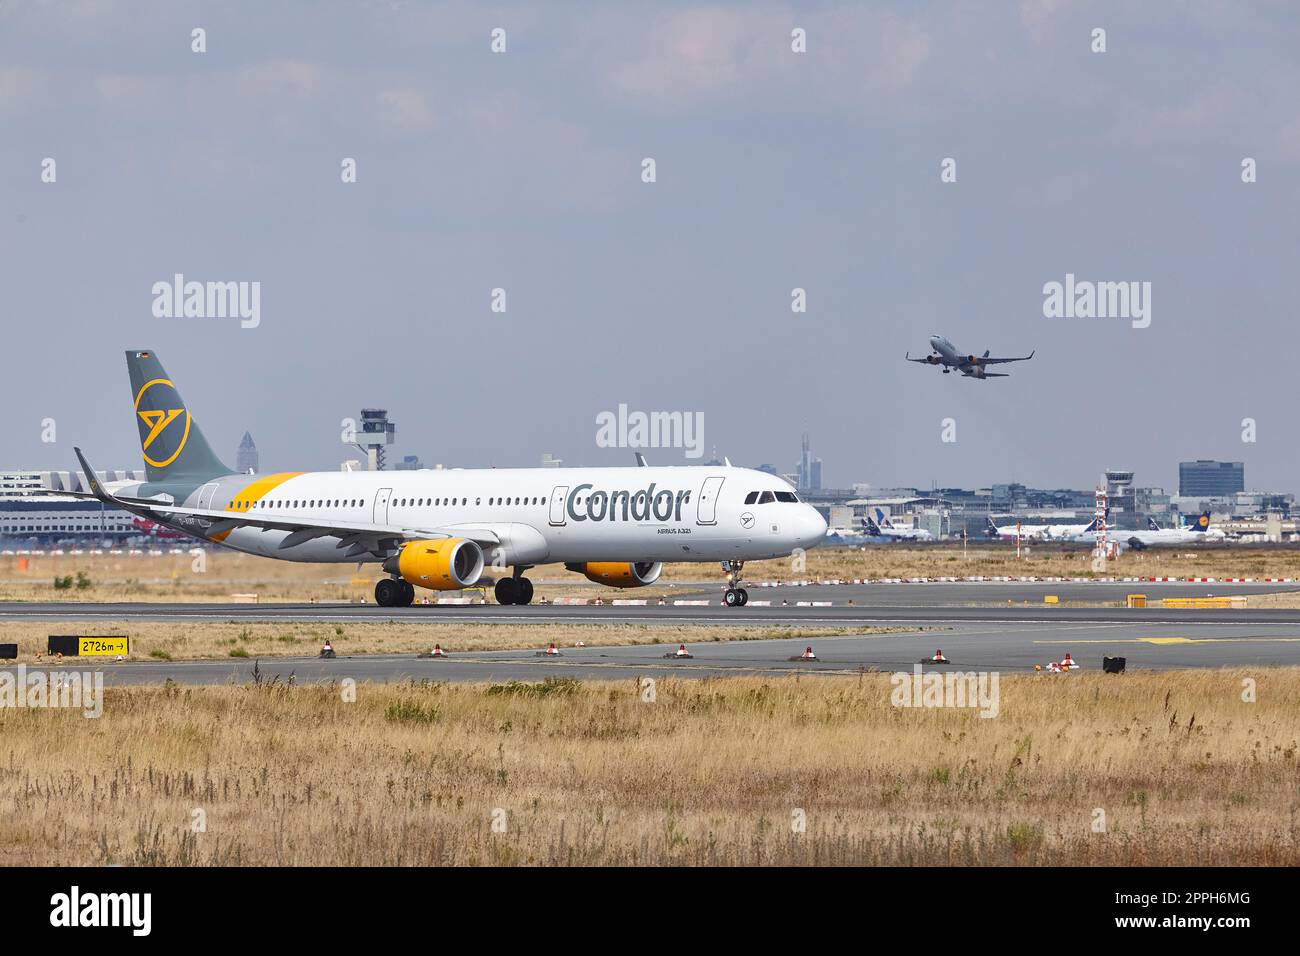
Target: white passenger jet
440,529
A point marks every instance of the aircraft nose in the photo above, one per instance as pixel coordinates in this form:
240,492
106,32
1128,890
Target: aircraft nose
810,527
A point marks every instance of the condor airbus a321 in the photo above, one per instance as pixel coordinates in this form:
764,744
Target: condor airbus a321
440,529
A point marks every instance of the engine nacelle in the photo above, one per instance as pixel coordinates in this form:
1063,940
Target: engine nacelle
932,359
443,564
620,574
972,360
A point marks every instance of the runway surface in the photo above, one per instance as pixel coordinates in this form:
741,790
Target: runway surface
849,604
986,626
1004,648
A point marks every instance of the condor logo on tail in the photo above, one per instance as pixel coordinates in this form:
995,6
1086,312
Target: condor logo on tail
164,422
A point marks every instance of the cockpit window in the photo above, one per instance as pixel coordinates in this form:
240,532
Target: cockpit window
751,497
786,496
767,498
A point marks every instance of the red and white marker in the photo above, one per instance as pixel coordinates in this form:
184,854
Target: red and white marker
938,658
808,654
551,650
438,651
1067,663
681,651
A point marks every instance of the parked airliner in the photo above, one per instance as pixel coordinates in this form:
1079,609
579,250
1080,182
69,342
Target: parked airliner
882,527
441,529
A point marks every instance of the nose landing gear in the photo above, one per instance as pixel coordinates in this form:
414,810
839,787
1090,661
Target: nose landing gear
734,596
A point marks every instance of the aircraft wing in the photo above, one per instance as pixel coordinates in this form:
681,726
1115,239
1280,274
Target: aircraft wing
908,356
359,536
90,495
1003,361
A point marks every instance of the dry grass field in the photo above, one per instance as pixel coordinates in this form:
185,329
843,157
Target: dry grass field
710,772
191,640
169,577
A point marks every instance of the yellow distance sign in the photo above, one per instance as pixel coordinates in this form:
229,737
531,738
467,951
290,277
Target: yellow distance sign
103,646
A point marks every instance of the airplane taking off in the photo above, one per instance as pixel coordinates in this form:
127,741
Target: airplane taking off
972,366
440,529
882,527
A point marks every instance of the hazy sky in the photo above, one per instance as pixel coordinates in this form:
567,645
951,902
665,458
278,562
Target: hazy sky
775,170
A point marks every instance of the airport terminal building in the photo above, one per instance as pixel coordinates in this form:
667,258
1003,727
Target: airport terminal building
25,516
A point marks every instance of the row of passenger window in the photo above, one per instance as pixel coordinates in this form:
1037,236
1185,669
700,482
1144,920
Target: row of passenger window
242,505
767,497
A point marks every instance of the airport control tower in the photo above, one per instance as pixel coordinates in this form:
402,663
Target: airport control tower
375,434
1120,495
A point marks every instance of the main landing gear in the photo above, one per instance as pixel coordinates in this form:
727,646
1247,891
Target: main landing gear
734,596
515,589
394,592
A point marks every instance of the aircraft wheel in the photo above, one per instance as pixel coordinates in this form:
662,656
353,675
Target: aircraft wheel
387,593
507,592
525,595
731,597
407,597
743,595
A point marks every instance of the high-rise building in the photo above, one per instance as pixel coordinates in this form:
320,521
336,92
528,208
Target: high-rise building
246,457
1210,478
809,469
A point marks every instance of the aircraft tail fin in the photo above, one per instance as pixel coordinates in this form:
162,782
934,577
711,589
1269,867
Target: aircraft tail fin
1202,522
870,527
882,520
171,442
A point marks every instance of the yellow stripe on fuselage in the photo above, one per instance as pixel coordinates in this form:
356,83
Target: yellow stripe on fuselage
254,492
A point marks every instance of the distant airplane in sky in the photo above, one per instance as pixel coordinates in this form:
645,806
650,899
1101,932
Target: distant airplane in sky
972,366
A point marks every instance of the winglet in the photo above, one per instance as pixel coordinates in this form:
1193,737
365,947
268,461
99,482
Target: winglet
1031,353
92,482
908,355
640,460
